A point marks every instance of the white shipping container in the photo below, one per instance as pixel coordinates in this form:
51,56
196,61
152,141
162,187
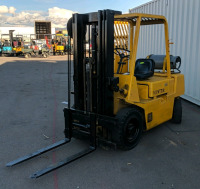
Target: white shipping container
184,28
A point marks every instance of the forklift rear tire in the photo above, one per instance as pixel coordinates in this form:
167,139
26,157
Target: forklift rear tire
130,128
177,111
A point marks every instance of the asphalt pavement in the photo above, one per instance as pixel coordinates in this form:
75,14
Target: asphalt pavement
31,117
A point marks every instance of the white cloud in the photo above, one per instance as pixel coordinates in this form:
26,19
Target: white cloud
57,16
23,19
12,10
3,9
56,12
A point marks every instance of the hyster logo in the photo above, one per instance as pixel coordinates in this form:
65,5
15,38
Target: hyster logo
158,91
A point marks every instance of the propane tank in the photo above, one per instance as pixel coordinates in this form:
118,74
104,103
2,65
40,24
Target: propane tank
175,61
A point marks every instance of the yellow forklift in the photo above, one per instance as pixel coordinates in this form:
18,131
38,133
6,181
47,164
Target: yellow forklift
116,96
58,44
17,44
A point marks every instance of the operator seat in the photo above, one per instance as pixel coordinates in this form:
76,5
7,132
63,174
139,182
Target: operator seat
144,68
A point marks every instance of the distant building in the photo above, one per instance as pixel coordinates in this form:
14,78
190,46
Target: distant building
25,31
42,28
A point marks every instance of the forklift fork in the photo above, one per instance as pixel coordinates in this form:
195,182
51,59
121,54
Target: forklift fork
62,163
56,165
68,132
37,153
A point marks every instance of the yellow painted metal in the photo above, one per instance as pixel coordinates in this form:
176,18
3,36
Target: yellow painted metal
157,85
133,95
131,40
59,48
161,109
179,84
164,64
143,91
167,49
59,34
120,41
18,49
155,19
156,94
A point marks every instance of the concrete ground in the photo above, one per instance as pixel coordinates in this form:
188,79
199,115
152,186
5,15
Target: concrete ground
31,117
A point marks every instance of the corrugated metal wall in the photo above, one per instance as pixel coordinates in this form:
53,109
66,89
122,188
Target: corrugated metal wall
184,30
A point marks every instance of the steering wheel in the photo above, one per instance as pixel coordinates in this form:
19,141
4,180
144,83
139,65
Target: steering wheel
122,56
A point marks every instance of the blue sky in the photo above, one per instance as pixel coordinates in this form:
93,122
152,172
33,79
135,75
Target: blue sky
74,5
25,12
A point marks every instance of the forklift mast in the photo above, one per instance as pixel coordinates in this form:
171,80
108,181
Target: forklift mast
11,36
94,84
94,71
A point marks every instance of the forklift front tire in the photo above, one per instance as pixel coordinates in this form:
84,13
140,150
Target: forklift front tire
177,111
130,128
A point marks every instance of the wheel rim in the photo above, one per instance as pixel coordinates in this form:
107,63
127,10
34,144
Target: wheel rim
132,131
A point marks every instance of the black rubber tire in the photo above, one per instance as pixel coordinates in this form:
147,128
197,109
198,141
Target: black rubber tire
177,111
130,128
